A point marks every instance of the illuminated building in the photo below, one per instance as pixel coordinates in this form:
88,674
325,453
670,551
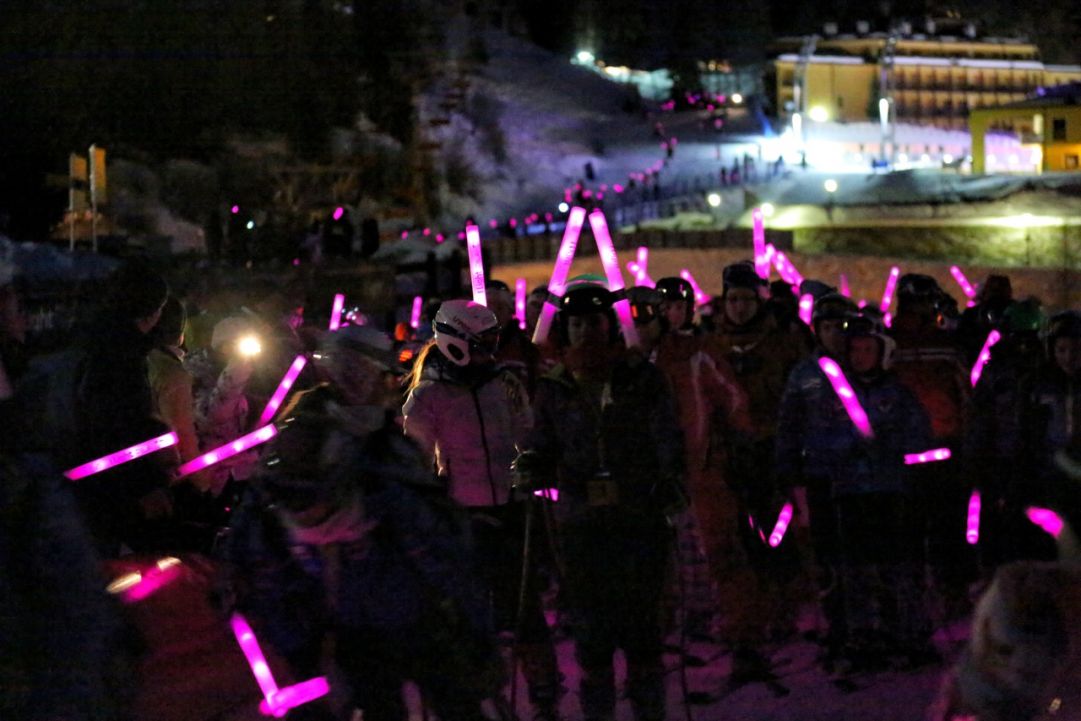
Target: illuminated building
936,77
1047,126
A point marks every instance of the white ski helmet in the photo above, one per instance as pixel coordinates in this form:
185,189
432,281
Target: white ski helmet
462,325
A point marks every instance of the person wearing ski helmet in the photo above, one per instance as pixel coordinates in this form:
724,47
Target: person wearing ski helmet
470,415
678,304
801,428
872,493
607,435
761,354
340,538
929,360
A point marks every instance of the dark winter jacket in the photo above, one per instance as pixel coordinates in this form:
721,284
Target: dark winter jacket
817,439
634,435
929,361
1050,419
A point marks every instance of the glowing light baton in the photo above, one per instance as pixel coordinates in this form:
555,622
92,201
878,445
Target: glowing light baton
787,271
1049,521
276,702
984,356
128,454
891,285
781,526
761,261
132,587
938,454
246,442
282,390
972,528
806,307
476,264
558,283
844,286
552,494
336,311
638,268
622,307
519,302
414,316
700,297
848,397
966,287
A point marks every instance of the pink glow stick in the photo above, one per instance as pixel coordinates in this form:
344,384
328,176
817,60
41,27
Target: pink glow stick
787,271
552,494
844,286
610,263
414,316
938,454
700,298
282,390
1046,519
558,282
641,275
476,264
336,311
972,528
806,307
984,356
848,397
128,454
246,442
781,526
134,587
761,262
962,281
276,702
519,302
891,285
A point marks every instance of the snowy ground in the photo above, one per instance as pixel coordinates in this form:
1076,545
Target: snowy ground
812,695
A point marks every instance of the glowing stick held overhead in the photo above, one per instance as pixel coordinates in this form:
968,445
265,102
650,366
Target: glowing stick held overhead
962,281
476,264
891,286
761,260
610,262
972,527
558,282
244,443
414,316
128,454
519,302
282,390
806,307
938,454
700,297
984,356
848,397
844,286
783,519
336,312
276,702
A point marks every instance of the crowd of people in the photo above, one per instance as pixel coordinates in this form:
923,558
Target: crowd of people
432,497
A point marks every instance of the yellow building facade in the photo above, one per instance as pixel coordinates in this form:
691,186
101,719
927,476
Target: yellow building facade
931,80
1048,128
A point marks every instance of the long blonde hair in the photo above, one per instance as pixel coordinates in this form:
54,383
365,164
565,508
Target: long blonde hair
417,372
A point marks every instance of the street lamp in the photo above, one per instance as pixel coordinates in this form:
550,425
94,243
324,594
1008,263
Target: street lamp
830,186
714,200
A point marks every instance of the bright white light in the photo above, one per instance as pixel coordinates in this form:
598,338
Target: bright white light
883,110
925,158
819,114
714,200
768,210
947,158
902,157
585,57
250,225
248,346
737,98
992,160
563,207
830,186
1012,159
